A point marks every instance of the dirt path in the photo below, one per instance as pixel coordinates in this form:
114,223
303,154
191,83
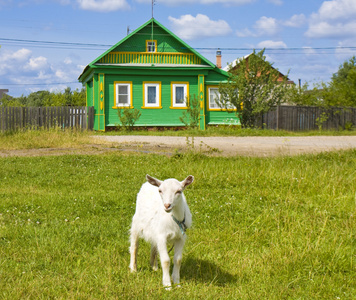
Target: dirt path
212,146
231,146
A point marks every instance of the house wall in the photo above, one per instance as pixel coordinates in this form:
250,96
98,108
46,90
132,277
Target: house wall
217,116
165,116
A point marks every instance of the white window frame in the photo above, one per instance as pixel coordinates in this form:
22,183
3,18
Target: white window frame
185,86
215,106
151,46
156,85
129,94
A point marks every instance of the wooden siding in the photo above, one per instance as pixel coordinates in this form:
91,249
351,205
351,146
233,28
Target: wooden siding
150,58
165,116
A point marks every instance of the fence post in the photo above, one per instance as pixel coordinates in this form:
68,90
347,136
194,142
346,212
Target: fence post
277,121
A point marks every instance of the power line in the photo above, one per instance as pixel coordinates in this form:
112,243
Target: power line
44,84
91,46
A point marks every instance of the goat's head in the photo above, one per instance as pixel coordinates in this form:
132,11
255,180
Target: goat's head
170,190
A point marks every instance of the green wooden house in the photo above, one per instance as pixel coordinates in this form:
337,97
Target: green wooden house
153,70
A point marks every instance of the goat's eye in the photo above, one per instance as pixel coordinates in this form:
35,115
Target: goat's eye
160,191
178,192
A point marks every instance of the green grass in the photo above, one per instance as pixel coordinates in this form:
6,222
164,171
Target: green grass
58,138
264,228
229,131
44,138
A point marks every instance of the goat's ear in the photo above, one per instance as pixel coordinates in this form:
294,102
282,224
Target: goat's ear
187,181
153,181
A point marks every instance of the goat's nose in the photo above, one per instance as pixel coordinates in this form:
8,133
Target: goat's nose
167,205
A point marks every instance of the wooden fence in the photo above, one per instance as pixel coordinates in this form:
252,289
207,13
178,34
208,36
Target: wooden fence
15,118
303,118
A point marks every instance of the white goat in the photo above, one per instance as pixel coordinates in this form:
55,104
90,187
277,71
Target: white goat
162,216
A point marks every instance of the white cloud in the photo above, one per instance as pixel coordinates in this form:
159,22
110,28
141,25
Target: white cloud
188,27
22,67
67,61
276,2
271,44
296,21
183,2
343,53
10,62
334,19
266,26
103,5
337,9
245,33
232,2
329,30
62,75
36,64
309,51
263,26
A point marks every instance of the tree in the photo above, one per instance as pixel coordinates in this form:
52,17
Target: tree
46,98
253,88
191,116
304,95
343,84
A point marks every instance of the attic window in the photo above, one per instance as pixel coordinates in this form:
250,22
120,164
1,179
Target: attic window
151,46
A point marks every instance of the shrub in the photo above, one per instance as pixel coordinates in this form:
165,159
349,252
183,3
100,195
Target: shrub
128,117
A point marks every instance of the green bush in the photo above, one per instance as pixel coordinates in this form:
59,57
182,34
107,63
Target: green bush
128,117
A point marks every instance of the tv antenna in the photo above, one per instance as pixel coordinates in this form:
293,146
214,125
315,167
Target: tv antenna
153,3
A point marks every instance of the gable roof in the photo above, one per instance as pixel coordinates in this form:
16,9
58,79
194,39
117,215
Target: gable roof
110,57
238,60
154,22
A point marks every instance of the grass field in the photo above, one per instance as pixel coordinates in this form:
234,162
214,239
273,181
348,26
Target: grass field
231,131
263,228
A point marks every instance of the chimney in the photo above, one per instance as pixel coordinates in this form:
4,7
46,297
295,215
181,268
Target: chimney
218,59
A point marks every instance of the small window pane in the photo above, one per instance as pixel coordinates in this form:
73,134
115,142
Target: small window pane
151,94
179,95
122,89
123,99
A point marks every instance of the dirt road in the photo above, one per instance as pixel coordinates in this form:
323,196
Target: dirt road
231,146
212,146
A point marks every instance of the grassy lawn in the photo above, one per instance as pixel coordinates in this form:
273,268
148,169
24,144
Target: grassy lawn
264,228
51,138
57,138
229,131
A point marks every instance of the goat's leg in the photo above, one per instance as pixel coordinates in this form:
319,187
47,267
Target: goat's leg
177,260
133,251
154,257
163,253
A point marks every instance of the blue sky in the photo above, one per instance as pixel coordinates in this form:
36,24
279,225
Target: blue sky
45,45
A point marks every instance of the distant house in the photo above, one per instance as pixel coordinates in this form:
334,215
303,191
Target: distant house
3,93
236,62
154,71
